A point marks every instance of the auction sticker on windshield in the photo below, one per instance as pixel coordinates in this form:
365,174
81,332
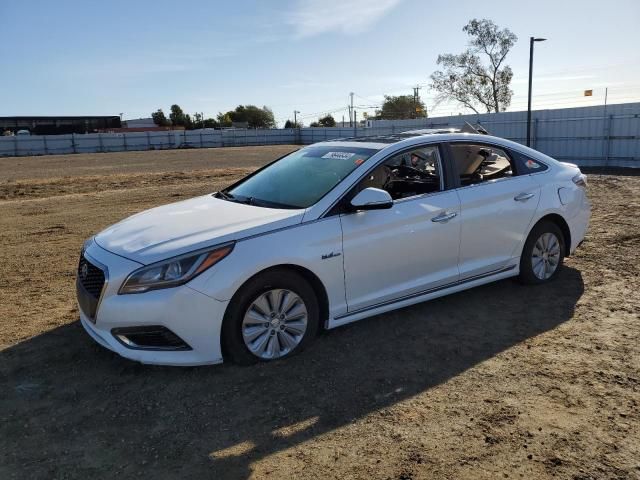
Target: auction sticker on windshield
338,155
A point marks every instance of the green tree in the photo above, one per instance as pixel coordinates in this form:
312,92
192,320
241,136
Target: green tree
198,120
159,118
327,121
401,107
466,79
254,116
290,124
211,123
224,119
187,122
177,116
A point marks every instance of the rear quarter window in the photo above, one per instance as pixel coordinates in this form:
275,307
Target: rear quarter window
526,164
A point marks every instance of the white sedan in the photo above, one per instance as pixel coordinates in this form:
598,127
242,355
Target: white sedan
332,233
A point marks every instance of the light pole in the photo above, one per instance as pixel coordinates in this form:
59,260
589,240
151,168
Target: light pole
531,41
295,118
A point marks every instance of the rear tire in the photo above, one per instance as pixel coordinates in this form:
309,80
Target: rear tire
543,254
274,315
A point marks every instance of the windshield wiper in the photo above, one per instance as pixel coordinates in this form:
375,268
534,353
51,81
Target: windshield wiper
252,201
269,204
225,196
233,198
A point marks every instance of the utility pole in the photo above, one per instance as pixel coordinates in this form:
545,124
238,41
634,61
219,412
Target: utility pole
351,110
531,42
416,98
295,118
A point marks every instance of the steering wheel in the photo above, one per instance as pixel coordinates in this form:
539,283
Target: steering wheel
407,170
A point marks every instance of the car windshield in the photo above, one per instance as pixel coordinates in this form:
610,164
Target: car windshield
301,178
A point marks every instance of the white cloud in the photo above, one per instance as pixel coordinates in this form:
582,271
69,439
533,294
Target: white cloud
314,17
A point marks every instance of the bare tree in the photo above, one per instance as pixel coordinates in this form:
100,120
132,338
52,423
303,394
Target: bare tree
468,80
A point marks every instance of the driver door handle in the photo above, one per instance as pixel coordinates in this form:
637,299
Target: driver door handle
524,196
444,217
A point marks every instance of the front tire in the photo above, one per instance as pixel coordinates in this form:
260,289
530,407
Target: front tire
274,315
543,254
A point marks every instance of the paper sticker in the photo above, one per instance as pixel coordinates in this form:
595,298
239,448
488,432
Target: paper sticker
338,155
359,161
532,164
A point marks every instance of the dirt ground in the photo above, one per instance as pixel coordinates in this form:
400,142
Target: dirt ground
502,381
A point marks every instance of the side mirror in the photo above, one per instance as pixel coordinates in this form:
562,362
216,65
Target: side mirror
372,199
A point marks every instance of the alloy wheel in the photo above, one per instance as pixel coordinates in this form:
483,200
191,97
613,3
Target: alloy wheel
545,256
274,324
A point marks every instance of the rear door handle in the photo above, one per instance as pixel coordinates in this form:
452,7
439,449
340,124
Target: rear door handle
524,196
444,217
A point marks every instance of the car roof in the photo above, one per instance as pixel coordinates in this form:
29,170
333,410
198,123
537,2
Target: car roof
380,142
408,139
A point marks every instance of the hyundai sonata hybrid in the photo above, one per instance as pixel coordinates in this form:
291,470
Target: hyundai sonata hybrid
329,234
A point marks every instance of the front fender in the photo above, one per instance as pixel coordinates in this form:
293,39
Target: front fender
315,246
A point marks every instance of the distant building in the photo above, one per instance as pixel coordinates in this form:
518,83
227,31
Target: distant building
53,125
139,123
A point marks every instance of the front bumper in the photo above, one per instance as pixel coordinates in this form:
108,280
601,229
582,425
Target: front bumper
191,315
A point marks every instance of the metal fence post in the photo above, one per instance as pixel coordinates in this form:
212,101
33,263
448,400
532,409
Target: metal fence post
148,140
535,133
124,141
44,144
168,138
15,145
607,140
73,143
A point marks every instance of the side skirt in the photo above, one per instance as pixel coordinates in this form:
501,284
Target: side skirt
428,295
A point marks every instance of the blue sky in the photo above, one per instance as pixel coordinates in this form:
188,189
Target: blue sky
83,57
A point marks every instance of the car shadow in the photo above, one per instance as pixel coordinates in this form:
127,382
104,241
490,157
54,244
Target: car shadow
71,408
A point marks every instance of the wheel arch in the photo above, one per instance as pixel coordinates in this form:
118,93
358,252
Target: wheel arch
562,225
308,275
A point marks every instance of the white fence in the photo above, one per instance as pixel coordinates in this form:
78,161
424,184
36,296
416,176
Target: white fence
123,142
588,136
596,136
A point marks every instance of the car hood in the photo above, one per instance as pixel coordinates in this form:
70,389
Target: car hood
181,227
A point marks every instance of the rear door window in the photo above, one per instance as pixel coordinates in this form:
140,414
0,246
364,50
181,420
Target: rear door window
479,163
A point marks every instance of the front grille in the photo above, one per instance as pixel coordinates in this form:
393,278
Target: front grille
153,337
90,281
91,277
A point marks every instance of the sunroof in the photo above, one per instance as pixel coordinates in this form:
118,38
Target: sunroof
395,137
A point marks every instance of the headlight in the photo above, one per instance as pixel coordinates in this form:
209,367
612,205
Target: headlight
173,272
